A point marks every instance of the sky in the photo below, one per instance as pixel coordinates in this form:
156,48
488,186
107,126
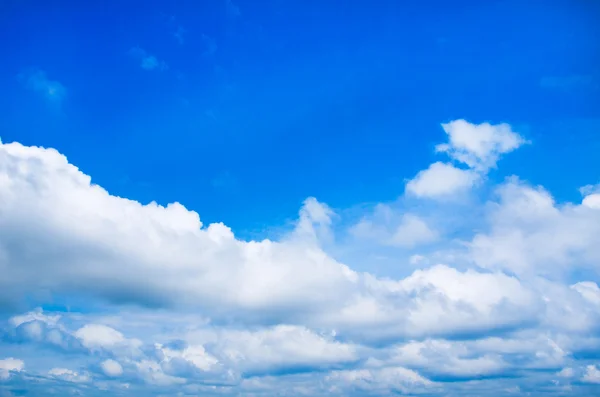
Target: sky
283,198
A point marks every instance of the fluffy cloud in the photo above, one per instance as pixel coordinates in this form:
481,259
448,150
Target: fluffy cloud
10,365
440,180
592,374
187,306
111,368
530,234
478,146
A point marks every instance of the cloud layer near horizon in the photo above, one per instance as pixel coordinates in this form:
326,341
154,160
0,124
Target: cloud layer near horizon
187,307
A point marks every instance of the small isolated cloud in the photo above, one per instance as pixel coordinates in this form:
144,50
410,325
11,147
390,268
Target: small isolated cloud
111,368
36,80
147,61
477,146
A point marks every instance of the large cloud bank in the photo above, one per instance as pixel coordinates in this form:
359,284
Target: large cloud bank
500,294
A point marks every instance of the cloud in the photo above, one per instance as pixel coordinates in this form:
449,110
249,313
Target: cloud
175,305
440,180
36,80
478,146
147,61
96,335
407,231
591,195
529,233
68,375
111,368
592,374
283,347
10,365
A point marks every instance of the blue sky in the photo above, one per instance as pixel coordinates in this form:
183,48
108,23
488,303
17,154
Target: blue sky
372,161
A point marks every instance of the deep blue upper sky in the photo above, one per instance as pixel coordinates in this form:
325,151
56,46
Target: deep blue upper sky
262,104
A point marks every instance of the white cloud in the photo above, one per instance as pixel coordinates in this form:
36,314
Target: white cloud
566,373
589,290
36,315
147,61
448,358
379,380
592,374
479,145
386,227
111,368
195,354
529,234
283,346
37,80
413,231
592,201
152,373
9,365
285,317
96,335
441,180
68,375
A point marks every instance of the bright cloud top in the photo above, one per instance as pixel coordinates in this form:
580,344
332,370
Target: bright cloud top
215,314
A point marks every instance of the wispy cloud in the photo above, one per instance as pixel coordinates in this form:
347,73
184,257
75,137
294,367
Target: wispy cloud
36,80
210,45
178,34
148,61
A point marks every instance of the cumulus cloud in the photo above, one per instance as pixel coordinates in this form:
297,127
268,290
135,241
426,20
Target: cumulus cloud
191,307
36,80
10,365
111,368
147,61
441,179
529,233
477,146
592,374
